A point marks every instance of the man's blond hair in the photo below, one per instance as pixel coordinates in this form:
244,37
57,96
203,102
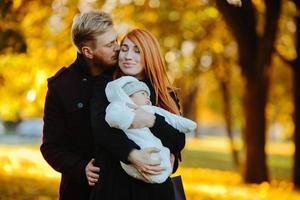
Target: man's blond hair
86,26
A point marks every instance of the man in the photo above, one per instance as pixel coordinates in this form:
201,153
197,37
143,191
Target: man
67,139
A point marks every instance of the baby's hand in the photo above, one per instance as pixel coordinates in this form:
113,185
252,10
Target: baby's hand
142,118
132,106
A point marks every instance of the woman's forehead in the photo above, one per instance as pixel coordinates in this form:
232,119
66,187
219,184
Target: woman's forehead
128,42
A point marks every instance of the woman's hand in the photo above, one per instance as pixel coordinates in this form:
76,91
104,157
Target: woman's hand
144,164
92,173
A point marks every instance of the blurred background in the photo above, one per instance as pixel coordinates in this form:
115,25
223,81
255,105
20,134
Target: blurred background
237,67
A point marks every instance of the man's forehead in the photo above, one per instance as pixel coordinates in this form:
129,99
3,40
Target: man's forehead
109,36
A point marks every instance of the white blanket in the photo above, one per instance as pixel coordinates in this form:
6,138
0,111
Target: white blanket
119,115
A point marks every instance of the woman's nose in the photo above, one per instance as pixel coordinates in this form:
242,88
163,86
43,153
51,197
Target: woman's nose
128,55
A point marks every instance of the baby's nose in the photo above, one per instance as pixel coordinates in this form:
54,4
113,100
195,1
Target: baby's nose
148,102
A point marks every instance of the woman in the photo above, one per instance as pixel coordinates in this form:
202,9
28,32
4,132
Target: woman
139,57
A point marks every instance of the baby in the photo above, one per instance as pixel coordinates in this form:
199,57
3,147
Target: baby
126,90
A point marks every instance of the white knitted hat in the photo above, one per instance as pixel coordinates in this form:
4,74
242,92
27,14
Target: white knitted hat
135,86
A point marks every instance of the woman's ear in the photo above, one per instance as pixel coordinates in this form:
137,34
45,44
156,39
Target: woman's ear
87,52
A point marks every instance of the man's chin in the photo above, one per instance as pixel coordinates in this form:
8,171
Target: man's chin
113,65
109,68
106,65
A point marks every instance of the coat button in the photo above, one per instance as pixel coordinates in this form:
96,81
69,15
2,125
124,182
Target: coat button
80,105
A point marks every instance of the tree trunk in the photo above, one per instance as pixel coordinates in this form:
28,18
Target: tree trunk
255,101
228,121
189,104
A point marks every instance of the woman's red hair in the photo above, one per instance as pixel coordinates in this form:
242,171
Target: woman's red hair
154,68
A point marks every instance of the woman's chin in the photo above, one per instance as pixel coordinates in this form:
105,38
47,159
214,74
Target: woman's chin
128,72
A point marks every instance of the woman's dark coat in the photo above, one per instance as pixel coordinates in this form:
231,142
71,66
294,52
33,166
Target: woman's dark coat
114,183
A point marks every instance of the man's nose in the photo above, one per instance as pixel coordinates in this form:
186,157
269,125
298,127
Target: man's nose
117,46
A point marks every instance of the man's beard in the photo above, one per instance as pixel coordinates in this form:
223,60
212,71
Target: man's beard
104,66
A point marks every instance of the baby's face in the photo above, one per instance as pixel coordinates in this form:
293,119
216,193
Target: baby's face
140,98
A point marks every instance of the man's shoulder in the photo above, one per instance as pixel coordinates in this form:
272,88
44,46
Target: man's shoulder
58,74
63,75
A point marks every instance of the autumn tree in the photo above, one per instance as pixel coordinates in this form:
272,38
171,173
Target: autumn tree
11,38
34,43
295,65
255,47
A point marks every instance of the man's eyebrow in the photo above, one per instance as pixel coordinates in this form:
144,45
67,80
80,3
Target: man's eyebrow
112,41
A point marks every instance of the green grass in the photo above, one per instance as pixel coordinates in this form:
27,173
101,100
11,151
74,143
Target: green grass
205,159
280,167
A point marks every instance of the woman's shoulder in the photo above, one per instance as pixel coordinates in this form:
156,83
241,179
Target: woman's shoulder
174,96
152,91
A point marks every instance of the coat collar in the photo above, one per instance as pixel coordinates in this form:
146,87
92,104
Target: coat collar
83,68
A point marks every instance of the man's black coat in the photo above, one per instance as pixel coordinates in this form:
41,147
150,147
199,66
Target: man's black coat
67,139
68,143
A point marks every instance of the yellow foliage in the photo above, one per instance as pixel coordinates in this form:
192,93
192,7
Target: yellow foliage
25,164
212,12
173,22
17,4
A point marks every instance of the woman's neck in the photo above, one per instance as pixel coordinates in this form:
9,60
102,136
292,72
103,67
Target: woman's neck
140,76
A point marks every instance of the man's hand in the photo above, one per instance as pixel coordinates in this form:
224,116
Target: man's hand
142,118
92,173
144,164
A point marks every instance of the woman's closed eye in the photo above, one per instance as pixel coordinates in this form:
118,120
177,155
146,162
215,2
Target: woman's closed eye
136,50
124,48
